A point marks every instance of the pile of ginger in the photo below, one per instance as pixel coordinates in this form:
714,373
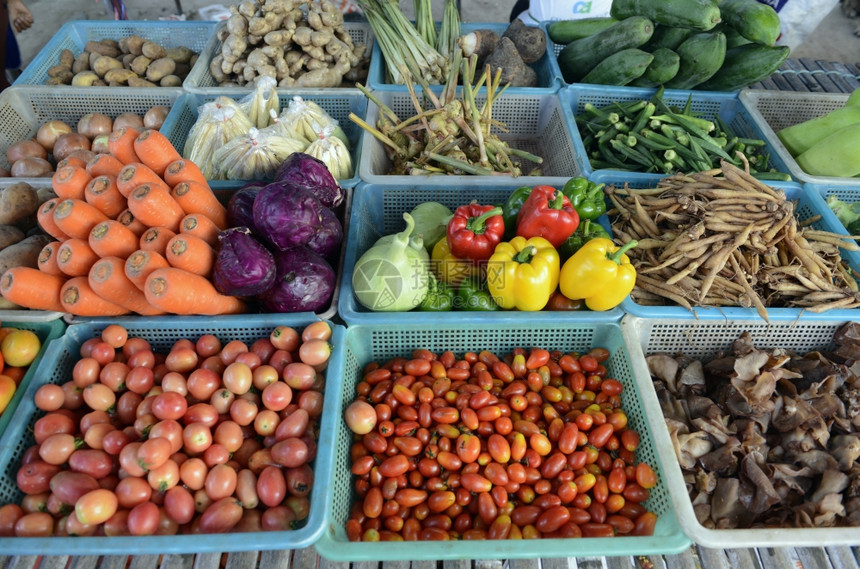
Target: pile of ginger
301,43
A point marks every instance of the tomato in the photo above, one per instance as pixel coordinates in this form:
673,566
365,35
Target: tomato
271,486
246,488
243,411
360,417
220,482
164,477
291,452
294,424
645,476
99,397
196,438
645,524
95,462
299,480
96,507
132,491
20,347
34,524
279,518
220,516
285,338
154,452
277,395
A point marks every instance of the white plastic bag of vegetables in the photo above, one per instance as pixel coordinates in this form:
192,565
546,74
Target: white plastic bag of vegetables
218,122
332,152
253,156
262,101
305,119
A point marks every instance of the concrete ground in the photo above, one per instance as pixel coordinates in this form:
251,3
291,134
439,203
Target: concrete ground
832,40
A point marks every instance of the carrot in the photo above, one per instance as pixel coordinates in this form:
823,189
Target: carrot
75,257
121,144
153,205
191,253
32,288
140,263
45,217
47,260
129,220
107,279
180,292
72,161
156,239
194,197
183,170
200,226
76,218
103,193
104,164
112,239
70,182
155,150
135,174
77,297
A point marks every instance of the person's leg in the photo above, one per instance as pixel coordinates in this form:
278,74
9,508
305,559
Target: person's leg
4,17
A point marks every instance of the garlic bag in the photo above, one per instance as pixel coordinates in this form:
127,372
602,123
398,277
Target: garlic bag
217,123
332,151
303,118
261,100
253,156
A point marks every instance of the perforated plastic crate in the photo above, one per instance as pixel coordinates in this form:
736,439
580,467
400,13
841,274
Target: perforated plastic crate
338,104
200,80
818,194
162,333
774,110
380,342
548,81
377,210
538,124
75,35
702,338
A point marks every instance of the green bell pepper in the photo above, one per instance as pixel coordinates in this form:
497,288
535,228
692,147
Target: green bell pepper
440,297
587,197
473,295
586,231
512,208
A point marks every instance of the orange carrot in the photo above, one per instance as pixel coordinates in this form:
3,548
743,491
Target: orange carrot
107,279
183,170
112,239
140,263
194,197
129,220
104,164
102,193
32,288
72,161
77,297
76,218
45,217
191,253
153,205
47,260
70,182
75,257
156,239
180,292
121,144
155,150
200,226
135,174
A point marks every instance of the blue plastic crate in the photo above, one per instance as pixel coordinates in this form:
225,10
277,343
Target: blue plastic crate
56,367
706,104
378,343
338,104
806,207
74,36
548,80
818,194
377,210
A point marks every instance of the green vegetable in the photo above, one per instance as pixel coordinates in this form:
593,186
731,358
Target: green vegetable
853,98
668,37
586,231
440,297
392,276
802,136
835,155
586,197
431,219
845,212
854,227
580,56
565,31
701,55
620,68
416,242
472,295
664,66
745,65
755,21
696,14
512,208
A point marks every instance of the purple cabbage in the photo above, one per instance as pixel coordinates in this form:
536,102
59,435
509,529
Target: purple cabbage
243,267
328,238
240,209
311,173
286,216
305,282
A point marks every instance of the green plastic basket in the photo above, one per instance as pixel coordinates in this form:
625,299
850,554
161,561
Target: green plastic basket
365,344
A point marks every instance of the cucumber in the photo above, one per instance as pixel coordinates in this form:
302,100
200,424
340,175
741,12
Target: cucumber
620,68
666,36
662,68
699,15
701,55
746,64
755,21
565,31
580,56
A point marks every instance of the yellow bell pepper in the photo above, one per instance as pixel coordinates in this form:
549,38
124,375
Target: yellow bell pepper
523,273
448,268
600,273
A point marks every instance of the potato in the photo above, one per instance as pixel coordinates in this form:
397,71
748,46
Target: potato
45,193
24,253
59,70
18,201
120,76
67,58
155,116
153,50
127,60
105,63
139,64
84,79
139,82
132,44
82,63
102,48
9,235
180,54
160,68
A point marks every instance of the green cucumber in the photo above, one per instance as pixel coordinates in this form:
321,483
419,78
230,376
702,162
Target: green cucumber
565,31
580,56
669,37
755,21
800,137
699,15
620,68
745,65
834,155
701,55
662,68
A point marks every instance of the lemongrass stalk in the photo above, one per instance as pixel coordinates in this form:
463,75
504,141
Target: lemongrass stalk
449,31
424,23
376,133
460,165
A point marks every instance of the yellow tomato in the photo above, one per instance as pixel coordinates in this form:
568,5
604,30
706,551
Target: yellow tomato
20,347
7,390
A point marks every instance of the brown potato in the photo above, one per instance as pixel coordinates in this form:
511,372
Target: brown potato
155,116
139,82
171,81
58,70
25,253
119,76
103,48
84,79
17,202
82,63
132,44
67,58
153,50
180,54
139,64
105,63
9,235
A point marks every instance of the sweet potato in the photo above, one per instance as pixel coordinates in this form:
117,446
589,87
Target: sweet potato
18,202
24,253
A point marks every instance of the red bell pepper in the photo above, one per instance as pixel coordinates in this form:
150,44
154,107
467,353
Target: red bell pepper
475,230
547,213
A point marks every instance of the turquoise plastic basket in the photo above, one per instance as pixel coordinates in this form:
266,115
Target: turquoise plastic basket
365,344
47,331
377,210
818,194
706,104
56,367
